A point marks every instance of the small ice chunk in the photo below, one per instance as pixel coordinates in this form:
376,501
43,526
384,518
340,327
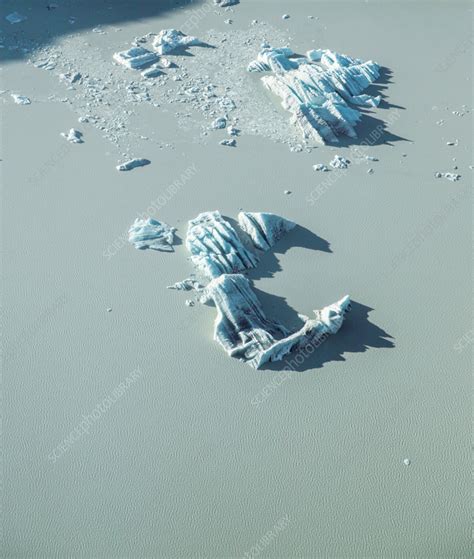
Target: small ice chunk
455,143
370,158
230,143
132,164
285,16
189,303
20,99
219,123
136,57
265,229
73,136
152,72
151,233
339,162
370,171
15,17
187,284
232,131
407,461
453,177
109,309
228,21
169,40
321,167
225,3
288,192
438,175
167,63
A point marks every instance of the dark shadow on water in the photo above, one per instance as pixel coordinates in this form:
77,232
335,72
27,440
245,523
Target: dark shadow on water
44,26
357,335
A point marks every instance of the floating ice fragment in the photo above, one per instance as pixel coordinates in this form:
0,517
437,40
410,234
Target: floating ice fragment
151,233
455,143
20,99
339,162
285,16
129,165
189,303
136,57
15,17
230,143
407,461
169,40
370,171
245,333
73,136
152,72
187,284
232,131
288,192
225,3
215,247
370,158
318,94
321,167
265,229
453,177
219,123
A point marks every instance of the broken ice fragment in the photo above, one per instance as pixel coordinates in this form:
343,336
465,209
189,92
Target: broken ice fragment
152,72
370,171
15,17
321,167
219,123
189,303
339,162
232,131
73,136
318,94
265,229
245,333
285,16
151,233
225,3
132,164
215,247
20,99
136,57
169,40
187,284
230,143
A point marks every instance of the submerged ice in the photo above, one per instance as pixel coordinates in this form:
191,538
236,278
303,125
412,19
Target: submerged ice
318,89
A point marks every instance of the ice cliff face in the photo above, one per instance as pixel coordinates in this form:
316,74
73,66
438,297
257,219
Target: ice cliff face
241,326
318,89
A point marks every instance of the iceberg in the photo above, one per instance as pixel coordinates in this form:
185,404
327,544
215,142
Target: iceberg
245,333
73,136
265,229
20,99
136,58
151,233
133,163
169,40
319,89
215,246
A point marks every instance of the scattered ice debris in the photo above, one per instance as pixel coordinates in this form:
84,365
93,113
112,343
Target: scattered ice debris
187,284
136,58
370,171
169,40
339,162
151,233
73,136
15,17
245,333
321,167
132,164
225,3
407,461
20,99
189,303
152,72
285,16
453,177
317,95
230,143
265,229
215,246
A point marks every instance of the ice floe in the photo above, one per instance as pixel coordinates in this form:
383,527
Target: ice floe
15,17
20,99
151,233
168,40
215,246
318,89
264,228
245,333
73,136
132,164
136,58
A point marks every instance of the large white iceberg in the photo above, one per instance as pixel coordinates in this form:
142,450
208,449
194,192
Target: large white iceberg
264,228
215,246
169,40
151,233
245,333
318,89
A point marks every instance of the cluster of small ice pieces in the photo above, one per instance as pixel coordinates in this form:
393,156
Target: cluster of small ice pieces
221,253
318,88
339,162
453,177
151,233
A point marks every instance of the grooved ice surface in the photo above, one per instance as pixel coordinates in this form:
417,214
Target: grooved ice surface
245,333
151,233
265,229
317,89
215,246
